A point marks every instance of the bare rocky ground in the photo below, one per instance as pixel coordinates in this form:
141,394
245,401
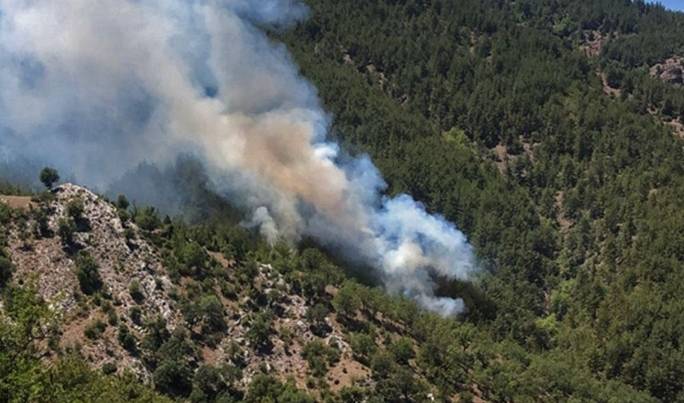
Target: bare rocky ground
670,70
593,42
123,256
285,355
17,202
52,267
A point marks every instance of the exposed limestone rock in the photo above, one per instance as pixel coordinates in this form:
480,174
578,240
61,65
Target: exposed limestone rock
670,71
54,270
123,255
593,42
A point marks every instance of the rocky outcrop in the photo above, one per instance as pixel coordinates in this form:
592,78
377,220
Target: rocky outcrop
120,259
671,70
123,256
593,42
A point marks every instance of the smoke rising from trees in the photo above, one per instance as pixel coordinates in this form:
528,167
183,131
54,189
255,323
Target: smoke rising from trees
98,88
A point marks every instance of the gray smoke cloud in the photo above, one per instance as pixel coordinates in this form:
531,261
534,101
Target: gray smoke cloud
98,87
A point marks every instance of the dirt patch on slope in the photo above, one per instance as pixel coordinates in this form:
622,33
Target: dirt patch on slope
345,373
677,127
671,70
593,43
17,202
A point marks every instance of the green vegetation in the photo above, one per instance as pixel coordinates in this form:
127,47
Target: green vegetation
95,329
320,357
492,114
316,315
136,315
363,346
5,214
127,339
24,377
66,230
135,291
75,209
49,176
266,388
260,329
578,228
347,301
88,274
6,268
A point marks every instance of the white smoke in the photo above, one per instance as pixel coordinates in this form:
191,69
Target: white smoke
98,87
268,228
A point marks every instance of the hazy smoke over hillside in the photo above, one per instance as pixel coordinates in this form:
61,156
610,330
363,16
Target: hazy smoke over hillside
98,87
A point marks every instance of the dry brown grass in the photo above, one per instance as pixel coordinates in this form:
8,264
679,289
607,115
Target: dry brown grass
17,202
346,373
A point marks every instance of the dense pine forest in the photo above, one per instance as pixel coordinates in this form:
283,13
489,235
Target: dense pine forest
581,226
537,126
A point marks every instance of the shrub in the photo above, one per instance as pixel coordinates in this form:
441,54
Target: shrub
212,313
135,291
122,202
353,394
66,229
313,286
124,217
363,346
260,329
382,364
319,356
316,316
88,274
402,349
265,388
42,228
127,340
136,315
208,383
236,355
156,334
75,209
193,256
112,317
94,330
466,397
5,213
108,368
173,378
48,176
346,302
129,234
228,290
6,270
147,219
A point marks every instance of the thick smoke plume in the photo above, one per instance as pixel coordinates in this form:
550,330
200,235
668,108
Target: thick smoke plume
98,87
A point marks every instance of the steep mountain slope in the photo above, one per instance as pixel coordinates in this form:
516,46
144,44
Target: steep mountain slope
109,287
562,164
100,244
207,314
550,131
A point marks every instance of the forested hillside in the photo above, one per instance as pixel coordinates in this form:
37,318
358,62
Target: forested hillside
550,132
562,164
